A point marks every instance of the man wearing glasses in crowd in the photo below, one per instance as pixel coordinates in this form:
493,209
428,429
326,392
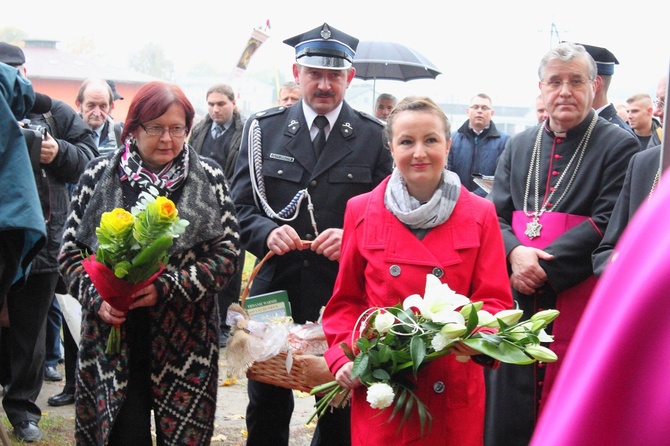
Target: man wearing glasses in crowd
477,144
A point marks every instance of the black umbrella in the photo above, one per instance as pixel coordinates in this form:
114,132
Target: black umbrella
392,61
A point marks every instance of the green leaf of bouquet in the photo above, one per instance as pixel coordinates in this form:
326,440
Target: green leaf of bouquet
121,269
473,319
503,326
138,274
425,418
502,351
389,338
361,364
417,351
381,375
400,356
384,353
101,256
154,252
492,338
402,394
408,407
363,344
374,358
406,316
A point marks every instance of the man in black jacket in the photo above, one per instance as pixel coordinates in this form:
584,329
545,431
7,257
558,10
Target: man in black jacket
218,136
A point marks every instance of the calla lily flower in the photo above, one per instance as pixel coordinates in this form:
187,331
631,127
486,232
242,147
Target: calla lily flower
438,303
547,316
486,319
541,353
509,317
440,342
520,331
467,309
453,330
544,337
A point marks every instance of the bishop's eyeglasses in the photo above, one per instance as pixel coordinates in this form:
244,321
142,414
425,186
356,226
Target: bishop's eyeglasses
573,84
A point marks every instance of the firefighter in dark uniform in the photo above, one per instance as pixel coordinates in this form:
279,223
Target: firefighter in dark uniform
289,187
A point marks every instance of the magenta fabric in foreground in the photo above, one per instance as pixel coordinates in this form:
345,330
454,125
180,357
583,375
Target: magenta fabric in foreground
613,388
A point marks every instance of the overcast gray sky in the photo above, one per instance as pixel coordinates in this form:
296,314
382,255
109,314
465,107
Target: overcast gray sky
486,46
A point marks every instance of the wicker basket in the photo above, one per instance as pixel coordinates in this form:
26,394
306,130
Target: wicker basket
307,371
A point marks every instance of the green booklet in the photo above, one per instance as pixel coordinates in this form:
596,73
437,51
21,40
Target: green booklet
268,306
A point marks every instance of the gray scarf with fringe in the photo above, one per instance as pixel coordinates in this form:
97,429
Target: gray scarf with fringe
426,215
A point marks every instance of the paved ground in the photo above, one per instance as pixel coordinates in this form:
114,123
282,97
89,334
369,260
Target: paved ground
232,401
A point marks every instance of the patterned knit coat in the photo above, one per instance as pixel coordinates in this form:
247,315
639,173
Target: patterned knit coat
184,340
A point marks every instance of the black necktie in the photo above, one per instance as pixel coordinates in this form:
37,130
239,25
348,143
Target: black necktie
320,141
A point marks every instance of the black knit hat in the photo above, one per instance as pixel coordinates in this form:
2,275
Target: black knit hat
11,54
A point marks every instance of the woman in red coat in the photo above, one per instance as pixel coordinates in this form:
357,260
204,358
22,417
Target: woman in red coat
418,221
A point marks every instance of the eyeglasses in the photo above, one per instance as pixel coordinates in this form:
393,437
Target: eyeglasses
176,132
483,108
659,103
573,84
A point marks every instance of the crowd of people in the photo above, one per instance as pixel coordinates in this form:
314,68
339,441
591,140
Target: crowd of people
358,208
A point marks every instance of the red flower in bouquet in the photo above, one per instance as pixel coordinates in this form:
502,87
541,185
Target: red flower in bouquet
132,252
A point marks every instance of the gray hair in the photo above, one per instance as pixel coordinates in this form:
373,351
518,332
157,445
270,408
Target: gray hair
565,52
94,82
386,97
289,85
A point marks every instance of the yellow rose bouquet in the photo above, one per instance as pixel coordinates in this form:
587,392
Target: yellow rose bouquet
132,252
392,342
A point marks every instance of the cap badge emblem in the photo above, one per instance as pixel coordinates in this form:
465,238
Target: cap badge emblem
325,32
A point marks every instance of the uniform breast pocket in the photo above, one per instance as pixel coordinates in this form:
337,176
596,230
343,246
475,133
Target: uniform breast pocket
347,181
282,170
350,174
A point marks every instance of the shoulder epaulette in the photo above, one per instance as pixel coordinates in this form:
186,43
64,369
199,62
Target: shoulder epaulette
270,112
370,117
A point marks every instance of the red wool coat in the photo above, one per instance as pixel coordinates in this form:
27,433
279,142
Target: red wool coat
381,263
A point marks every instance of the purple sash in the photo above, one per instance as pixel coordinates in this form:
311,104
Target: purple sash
571,302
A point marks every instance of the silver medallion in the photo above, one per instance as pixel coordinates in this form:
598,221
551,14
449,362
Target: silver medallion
533,229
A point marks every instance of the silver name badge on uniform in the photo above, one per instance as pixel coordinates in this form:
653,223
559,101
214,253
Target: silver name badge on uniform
277,156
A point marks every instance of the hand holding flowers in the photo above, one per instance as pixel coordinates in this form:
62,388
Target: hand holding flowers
132,251
391,342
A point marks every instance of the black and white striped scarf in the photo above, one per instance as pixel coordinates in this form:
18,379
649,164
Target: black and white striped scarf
168,179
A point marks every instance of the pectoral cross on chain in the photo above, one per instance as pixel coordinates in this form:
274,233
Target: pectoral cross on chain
533,227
